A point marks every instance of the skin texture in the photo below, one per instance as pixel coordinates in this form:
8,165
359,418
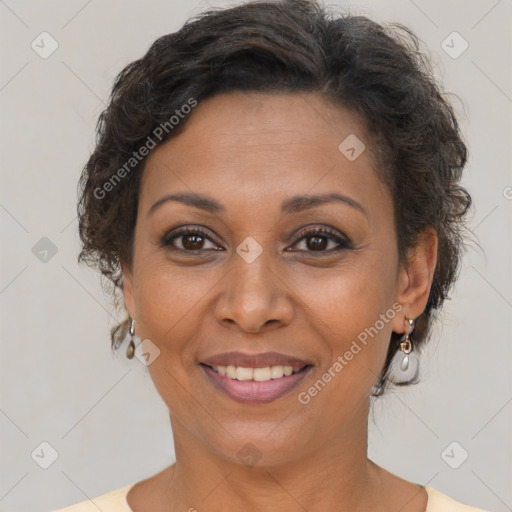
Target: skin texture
250,152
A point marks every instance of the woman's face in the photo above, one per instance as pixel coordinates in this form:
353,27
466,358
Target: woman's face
252,282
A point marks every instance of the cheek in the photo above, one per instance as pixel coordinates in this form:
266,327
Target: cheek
168,299
168,303
352,318
351,313
349,298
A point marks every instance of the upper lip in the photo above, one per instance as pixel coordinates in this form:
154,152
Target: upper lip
255,360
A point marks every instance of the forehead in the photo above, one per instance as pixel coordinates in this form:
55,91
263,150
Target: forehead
242,146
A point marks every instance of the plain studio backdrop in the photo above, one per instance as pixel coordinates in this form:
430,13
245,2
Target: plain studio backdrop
77,421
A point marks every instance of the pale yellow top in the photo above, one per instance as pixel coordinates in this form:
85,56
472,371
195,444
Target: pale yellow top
115,501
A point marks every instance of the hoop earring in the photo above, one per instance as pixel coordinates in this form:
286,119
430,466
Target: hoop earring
130,351
404,367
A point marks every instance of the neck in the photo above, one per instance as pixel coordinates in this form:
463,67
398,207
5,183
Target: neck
338,471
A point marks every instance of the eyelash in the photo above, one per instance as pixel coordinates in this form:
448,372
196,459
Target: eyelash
344,243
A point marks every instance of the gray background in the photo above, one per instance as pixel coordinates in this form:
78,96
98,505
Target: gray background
101,413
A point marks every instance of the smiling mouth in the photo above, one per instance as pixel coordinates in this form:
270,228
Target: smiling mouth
255,386
262,374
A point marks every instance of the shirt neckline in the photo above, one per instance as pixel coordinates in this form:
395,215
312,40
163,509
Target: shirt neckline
128,487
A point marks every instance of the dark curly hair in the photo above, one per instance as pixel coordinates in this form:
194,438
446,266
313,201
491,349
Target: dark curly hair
286,46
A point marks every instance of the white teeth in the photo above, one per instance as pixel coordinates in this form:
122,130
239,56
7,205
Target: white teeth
244,373
261,374
276,372
255,374
230,371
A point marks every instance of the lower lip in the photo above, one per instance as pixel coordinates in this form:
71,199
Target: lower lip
252,392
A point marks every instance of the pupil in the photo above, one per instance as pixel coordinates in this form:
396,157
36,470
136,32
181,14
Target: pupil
317,242
197,240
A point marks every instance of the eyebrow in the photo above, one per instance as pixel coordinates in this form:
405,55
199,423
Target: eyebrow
293,204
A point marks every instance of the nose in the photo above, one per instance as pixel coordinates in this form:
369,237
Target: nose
254,296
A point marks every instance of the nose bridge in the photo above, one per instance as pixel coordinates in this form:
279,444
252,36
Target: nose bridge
253,293
251,268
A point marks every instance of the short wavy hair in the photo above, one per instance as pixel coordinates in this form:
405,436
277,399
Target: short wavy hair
376,71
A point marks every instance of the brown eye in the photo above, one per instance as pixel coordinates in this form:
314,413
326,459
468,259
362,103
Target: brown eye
192,242
188,240
317,243
322,241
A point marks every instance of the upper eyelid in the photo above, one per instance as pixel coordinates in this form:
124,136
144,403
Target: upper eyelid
184,231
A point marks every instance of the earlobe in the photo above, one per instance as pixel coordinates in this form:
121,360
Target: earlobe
127,288
415,280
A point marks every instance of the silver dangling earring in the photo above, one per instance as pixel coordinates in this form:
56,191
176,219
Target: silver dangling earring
130,351
404,367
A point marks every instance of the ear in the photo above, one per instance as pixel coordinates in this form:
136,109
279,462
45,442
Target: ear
128,290
415,278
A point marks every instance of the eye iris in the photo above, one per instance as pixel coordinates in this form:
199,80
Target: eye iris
316,242
197,241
